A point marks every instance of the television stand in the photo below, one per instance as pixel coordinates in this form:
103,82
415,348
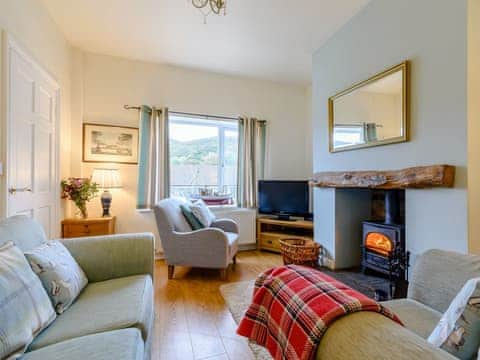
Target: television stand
271,230
284,218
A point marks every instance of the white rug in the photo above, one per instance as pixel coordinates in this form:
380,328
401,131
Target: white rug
238,297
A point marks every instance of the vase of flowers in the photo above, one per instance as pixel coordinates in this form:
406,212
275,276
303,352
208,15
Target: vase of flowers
80,191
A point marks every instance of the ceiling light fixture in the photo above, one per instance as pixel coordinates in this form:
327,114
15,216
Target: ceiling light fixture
207,7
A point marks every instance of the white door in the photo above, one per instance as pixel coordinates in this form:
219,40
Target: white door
31,149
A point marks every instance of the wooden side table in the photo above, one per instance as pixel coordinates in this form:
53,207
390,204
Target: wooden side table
88,227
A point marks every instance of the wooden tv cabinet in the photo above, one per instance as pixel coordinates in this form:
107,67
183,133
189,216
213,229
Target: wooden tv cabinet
270,231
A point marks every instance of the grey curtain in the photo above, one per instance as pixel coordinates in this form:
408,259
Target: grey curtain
251,159
153,163
370,132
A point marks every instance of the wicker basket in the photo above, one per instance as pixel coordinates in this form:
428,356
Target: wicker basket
300,251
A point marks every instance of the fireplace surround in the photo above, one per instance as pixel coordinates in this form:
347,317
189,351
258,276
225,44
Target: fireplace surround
343,202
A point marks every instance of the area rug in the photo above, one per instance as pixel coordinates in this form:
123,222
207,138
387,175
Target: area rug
238,296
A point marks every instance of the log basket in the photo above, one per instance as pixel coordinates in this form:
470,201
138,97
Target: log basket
300,251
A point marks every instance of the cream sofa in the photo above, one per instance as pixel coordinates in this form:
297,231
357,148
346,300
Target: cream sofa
437,276
113,316
436,279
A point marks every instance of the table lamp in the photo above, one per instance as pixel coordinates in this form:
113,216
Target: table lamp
106,179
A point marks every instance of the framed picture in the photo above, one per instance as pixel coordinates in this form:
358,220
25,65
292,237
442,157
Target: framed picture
110,143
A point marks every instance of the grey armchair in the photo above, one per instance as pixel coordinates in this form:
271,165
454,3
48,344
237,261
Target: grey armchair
215,247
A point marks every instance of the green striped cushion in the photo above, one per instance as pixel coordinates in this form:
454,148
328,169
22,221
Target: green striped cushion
25,308
195,224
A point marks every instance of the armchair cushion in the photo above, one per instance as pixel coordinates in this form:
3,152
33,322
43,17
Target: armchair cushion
226,225
195,224
113,256
202,213
104,306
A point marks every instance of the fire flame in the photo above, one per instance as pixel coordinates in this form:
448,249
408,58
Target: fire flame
379,243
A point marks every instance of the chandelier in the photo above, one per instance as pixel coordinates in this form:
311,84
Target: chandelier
207,7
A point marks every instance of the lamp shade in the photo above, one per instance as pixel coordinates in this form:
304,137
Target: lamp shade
107,178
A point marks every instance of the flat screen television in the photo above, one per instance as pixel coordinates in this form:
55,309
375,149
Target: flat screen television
284,198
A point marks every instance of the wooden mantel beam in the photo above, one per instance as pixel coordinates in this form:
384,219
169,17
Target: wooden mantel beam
415,177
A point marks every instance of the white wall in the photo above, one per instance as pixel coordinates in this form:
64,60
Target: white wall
432,34
109,83
30,24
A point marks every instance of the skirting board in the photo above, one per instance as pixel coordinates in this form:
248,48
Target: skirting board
247,247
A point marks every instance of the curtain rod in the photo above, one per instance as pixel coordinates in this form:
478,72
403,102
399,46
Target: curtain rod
129,107
355,125
204,116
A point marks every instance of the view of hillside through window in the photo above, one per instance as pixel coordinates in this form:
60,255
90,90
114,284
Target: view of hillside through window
203,159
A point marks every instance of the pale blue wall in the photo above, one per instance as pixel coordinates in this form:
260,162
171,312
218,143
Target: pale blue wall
433,35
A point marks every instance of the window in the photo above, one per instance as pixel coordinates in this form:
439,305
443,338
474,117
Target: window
203,159
348,135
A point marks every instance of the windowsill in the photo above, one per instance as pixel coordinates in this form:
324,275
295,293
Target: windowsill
143,210
220,207
212,207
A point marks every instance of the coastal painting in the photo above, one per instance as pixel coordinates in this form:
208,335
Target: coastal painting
110,143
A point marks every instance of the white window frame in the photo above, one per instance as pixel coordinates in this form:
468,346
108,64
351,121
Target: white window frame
354,128
222,124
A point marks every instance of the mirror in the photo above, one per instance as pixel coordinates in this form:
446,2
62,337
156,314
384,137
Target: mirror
371,113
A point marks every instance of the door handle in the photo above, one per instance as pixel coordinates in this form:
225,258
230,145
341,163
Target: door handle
15,190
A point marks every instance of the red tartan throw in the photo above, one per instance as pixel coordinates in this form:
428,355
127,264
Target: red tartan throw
293,306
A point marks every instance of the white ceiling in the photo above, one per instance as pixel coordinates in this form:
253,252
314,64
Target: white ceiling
269,39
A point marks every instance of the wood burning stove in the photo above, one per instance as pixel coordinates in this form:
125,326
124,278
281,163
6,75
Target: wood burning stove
383,246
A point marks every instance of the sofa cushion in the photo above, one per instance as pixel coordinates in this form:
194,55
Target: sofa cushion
123,344
61,276
415,316
438,276
458,331
104,306
25,308
25,232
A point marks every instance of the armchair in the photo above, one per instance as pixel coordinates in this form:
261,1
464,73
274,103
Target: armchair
214,247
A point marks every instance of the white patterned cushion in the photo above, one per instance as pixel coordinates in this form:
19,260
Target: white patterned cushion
61,276
458,331
202,213
25,308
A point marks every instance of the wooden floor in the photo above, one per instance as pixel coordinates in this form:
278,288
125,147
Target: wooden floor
192,320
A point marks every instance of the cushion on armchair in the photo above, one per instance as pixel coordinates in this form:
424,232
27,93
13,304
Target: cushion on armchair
195,224
202,213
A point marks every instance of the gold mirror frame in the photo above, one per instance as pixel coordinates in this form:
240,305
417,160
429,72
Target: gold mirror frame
405,68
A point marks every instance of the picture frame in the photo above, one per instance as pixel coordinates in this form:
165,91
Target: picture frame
110,143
